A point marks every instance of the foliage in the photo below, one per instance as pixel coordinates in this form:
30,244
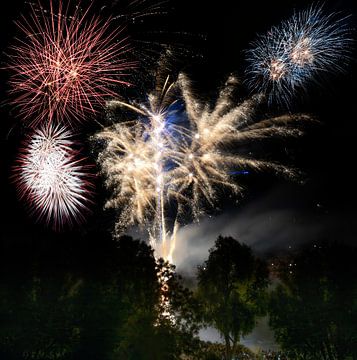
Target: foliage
314,310
90,303
231,287
214,351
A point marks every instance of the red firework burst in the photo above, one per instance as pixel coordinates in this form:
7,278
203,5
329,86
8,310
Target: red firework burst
52,177
66,65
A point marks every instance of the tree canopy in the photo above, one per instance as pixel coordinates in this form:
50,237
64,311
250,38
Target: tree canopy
232,289
313,311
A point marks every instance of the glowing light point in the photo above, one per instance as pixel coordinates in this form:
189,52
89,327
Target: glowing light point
301,53
277,69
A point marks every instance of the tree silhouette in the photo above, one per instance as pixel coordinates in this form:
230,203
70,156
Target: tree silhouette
313,311
77,300
231,288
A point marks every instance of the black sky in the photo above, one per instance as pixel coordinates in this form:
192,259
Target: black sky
220,31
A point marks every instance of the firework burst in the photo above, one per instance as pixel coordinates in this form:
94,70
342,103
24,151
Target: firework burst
297,51
171,159
65,65
52,177
207,160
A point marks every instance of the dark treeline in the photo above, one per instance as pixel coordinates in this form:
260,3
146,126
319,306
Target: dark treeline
75,300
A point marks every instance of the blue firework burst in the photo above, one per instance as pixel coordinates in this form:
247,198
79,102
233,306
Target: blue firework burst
298,51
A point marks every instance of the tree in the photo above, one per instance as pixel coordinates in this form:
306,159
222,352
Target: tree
179,309
232,289
118,301
63,302
38,318
313,311
96,299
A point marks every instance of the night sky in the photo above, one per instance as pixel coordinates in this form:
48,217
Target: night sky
274,214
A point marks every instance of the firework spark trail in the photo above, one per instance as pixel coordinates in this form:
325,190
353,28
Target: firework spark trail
65,65
140,150
206,160
297,52
52,177
155,164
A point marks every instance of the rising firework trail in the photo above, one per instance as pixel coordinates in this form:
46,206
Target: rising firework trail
65,64
182,159
297,52
52,177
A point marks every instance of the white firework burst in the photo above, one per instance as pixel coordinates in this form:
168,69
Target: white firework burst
51,176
